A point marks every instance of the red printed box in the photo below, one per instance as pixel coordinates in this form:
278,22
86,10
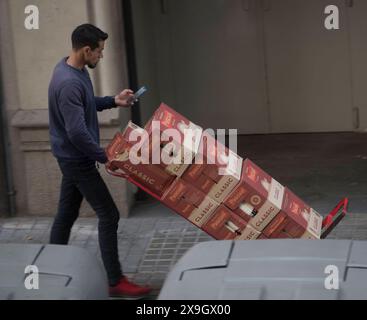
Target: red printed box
249,233
276,226
304,222
116,150
212,172
189,202
227,197
224,224
177,138
184,209
205,184
170,119
216,171
283,235
204,212
181,190
296,220
154,177
257,198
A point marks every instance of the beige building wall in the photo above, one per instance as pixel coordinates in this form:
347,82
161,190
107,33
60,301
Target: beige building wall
37,51
28,58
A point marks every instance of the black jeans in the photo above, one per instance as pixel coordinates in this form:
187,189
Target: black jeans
82,180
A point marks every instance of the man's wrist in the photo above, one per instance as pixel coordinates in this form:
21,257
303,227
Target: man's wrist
113,101
103,159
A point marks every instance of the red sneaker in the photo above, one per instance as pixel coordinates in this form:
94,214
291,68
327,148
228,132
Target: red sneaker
129,290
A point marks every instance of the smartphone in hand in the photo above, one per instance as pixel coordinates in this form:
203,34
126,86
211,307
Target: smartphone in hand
138,94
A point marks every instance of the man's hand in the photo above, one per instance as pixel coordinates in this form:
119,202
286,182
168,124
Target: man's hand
125,98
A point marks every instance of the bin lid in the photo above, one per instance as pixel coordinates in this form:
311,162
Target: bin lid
270,269
64,272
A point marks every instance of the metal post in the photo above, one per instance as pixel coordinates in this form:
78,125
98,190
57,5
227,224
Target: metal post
5,162
131,57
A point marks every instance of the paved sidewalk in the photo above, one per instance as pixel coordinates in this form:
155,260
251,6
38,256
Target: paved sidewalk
148,247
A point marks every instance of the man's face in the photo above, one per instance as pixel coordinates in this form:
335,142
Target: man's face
92,57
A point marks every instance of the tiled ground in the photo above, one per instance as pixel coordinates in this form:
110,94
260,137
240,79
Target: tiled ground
148,247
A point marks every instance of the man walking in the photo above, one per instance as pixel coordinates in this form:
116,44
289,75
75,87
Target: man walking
74,135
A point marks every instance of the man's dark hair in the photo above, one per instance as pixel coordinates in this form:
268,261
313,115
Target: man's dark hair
87,35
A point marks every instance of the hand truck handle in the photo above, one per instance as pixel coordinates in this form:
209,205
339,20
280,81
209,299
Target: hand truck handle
334,217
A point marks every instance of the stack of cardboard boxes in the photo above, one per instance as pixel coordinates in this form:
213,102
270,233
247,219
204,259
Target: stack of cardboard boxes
208,184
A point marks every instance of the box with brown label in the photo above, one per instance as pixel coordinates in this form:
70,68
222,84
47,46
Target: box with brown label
116,150
249,233
211,155
183,208
175,193
175,139
189,202
216,171
155,179
257,198
296,220
212,172
204,183
170,119
276,226
282,235
293,229
193,172
303,221
119,152
204,212
218,191
224,224
182,190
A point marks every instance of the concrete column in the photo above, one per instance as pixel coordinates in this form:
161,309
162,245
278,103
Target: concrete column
111,76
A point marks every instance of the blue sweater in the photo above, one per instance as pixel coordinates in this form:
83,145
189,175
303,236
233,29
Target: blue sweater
74,130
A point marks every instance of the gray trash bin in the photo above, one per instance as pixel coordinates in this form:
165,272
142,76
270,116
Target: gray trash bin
270,269
65,272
